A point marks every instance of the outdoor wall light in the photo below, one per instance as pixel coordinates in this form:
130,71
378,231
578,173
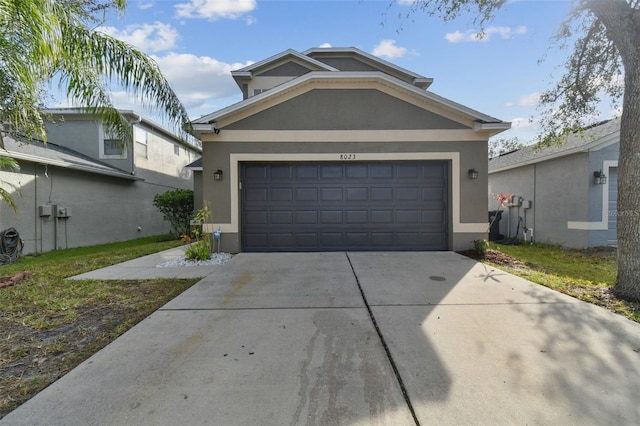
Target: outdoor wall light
599,178
473,174
217,175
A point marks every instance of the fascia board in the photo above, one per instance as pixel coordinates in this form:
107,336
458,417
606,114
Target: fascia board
469,113
65,165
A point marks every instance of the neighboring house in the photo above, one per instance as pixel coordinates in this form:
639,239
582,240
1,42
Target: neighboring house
81,188
559,192
335,149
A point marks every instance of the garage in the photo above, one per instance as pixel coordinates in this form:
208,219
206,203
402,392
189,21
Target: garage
350,205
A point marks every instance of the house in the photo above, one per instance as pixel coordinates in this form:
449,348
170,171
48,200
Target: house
81,188
564,194
336,149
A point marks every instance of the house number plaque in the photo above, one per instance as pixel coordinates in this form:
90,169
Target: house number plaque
347,156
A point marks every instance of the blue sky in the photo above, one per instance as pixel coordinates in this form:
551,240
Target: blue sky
198,42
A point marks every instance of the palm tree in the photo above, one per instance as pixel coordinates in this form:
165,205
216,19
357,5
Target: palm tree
42,39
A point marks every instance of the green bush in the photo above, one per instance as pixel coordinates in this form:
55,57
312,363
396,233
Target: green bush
201,249
177,208
481,246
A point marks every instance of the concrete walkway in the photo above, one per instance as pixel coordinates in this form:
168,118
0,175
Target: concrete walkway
357,339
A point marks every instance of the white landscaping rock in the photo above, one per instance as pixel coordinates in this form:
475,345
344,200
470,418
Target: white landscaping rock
216,259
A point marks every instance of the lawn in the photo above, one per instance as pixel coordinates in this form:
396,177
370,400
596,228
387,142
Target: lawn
49,324
584,274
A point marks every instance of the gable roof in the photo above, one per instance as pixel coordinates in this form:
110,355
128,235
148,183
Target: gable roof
482,122
59,156
385,66
591,139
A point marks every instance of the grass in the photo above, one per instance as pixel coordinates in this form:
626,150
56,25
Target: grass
49,324
584,274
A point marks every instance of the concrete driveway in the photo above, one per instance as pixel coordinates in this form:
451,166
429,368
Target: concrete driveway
357,339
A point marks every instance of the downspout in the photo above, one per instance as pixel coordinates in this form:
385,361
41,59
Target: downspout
138,120
35,207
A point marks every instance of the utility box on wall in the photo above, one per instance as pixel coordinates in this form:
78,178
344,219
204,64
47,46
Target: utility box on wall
62,211
44,211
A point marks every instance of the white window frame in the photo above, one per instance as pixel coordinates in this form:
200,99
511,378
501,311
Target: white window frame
104,137
140,140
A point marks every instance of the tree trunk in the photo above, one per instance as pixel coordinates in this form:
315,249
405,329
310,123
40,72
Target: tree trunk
627,284
623,28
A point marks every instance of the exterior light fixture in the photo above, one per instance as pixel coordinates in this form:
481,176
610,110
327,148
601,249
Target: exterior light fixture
599,178
217,175
473,174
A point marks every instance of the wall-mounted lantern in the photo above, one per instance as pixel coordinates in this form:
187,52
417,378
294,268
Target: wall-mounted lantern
473,174
217,175
599,178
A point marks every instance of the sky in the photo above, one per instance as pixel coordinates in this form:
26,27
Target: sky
197,43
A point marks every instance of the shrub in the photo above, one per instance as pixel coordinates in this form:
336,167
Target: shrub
177,208
481,246
201,249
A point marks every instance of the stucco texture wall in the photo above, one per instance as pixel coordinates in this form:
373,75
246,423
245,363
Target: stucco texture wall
104,209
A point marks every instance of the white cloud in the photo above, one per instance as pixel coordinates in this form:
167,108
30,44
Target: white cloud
387,48
197,80
532,99
215,9
154,37
325,45
505,33
145,6
523,123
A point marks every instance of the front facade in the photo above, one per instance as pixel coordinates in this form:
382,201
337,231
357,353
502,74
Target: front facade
335,149
81,188
560,196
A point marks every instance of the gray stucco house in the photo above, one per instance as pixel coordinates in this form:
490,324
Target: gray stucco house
565,194
336,149
81,189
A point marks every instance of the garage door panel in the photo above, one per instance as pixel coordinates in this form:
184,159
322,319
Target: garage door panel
281,194
356,171
382,217
281,172
306,217
357,194
331,194
282,217
411,217
357,239
306,171
329,217
354,217
257,194
344,206
256,218
408,194
307,239
381,194
306,194
331,172
381,171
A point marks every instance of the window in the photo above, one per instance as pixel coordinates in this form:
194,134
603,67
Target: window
258,91
140,137
176,150
110,146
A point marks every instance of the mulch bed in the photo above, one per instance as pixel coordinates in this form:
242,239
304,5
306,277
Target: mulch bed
493,256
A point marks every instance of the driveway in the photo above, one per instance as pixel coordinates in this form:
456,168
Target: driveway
357,339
